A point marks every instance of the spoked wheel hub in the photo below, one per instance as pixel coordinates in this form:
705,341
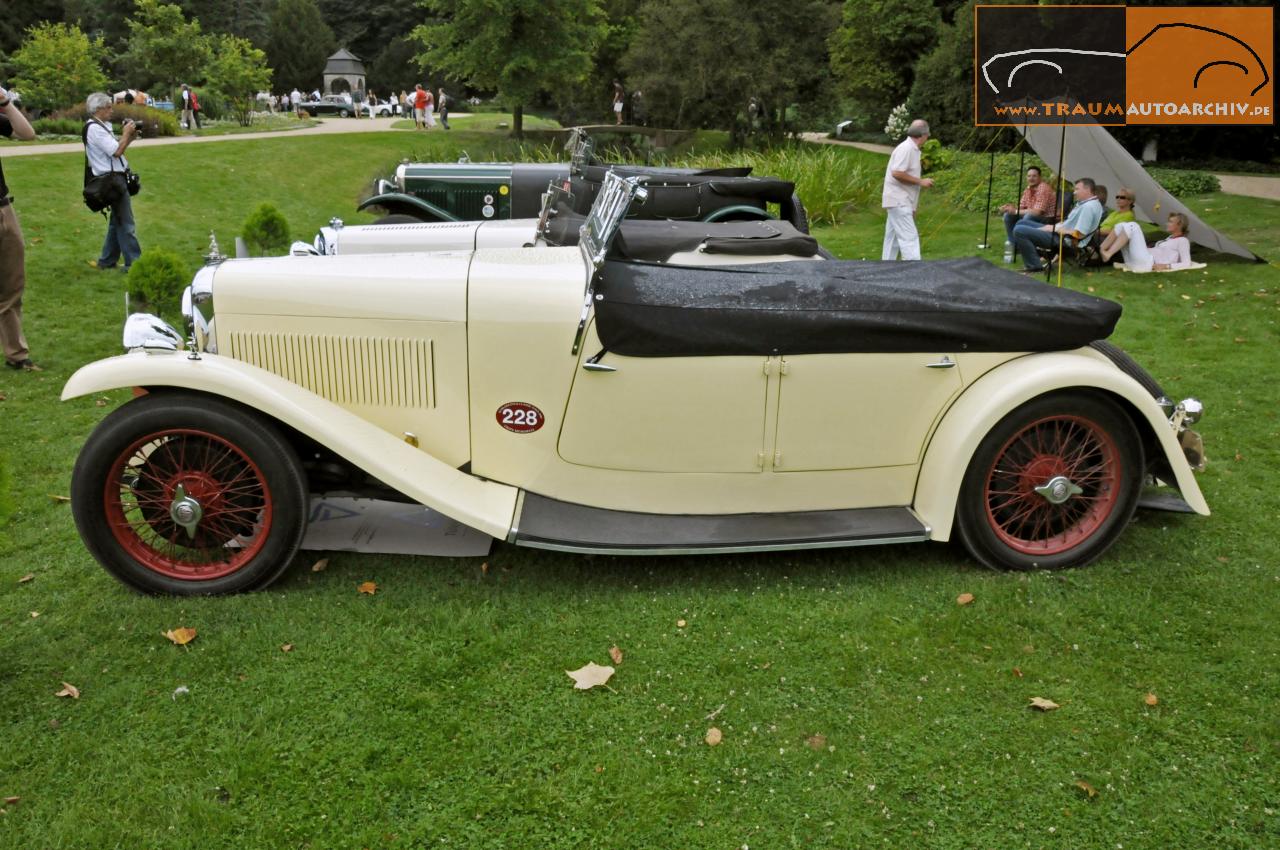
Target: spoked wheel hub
1052,485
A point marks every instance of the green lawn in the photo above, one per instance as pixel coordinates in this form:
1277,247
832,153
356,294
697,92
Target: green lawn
860,705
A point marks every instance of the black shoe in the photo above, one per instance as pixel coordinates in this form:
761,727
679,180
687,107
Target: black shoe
1036,270
23,365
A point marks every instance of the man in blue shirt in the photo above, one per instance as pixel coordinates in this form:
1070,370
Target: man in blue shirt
1082,221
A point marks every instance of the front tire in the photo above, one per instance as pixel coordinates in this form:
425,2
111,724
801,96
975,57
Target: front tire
1052,485
187,494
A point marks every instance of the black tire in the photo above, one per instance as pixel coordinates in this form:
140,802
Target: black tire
1080,435
342,113
1128,365
797,214
245,478
399,218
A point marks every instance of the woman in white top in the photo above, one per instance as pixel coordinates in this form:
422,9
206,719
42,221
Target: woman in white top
1168,254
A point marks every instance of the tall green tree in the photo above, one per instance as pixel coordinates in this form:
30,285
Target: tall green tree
237,71
165,46
298,43
875,49
518,48
57,66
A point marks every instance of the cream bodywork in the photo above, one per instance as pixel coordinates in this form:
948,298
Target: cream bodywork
370,355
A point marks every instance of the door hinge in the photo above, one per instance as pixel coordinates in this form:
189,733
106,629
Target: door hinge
783,367
767,368
777,459
760,460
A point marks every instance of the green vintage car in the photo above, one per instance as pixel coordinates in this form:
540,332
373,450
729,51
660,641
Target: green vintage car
480,191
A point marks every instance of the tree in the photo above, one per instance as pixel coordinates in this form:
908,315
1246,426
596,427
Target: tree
518,48
876,47
237,72
298,43
57,66
164,47
942,92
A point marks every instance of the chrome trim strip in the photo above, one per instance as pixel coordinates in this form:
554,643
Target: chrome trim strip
515,517
716,550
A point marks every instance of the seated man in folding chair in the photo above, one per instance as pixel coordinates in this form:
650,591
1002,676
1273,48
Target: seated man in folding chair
1038,204
1082,222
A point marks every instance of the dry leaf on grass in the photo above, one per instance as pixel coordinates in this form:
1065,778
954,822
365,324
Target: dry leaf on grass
585,678
615,654
288,647
102,402
680,624
368,587
484,568
182,636
1017,671
58,498
319,566
1088,789
35,614
68,690
1042,704
964,599
28,577
816,742
1151,699
11,801
714,736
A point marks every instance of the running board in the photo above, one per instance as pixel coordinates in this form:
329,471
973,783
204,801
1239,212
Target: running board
565,527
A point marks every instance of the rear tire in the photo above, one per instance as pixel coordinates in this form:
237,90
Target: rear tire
1079,438
172,457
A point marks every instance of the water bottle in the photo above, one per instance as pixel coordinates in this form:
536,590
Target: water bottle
1008,252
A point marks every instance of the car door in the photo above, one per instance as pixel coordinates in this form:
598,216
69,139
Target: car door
854,411
666,414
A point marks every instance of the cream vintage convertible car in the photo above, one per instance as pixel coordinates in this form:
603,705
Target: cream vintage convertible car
566,398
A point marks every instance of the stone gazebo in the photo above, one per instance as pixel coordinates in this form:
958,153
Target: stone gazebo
344,72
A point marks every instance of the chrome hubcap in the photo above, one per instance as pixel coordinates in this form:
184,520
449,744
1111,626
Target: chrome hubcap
1058,489
185,511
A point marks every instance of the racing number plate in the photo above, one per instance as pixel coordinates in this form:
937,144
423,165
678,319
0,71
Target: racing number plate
520,417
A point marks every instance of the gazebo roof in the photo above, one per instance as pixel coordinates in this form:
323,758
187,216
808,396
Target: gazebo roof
344,62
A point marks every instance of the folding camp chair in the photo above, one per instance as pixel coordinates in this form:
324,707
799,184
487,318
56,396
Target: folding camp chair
1081,252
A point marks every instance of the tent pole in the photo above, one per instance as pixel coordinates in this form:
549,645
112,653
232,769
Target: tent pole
1022,169
1062,203
986,227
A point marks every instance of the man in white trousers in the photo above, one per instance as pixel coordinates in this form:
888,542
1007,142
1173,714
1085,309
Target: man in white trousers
902,184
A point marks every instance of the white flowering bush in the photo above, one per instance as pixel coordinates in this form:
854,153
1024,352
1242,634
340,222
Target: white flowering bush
899,120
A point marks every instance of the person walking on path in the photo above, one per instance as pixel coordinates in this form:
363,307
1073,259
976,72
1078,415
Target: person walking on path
419,107
443,102
901,195
429,114
188,114
106,155
619,99
295,99
13,272
195,108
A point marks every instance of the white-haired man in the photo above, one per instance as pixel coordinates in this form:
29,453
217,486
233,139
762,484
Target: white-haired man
901,196
106,156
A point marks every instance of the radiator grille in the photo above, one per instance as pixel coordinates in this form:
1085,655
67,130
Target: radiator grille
347,370
463,201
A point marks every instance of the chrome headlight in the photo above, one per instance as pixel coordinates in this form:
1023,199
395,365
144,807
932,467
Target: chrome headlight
1192,409
151,333
197,310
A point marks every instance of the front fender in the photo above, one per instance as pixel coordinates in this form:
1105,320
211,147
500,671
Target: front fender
399,202
998,392
483,505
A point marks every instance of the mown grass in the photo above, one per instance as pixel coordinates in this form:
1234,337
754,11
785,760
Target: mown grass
437,713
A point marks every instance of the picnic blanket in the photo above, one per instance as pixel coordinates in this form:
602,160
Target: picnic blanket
1122,267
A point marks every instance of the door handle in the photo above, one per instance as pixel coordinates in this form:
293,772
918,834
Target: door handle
945,363
598,367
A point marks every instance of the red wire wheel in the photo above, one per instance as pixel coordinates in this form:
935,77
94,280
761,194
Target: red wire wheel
184,493
202,472
1053,484
1071,452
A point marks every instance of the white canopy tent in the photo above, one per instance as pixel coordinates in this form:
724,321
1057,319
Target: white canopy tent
1093,152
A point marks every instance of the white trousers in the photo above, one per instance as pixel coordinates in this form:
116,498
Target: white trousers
1136,254
900,235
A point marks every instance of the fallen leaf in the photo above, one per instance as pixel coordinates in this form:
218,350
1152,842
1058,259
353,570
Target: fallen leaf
68,690
714,736
53,723
288,647
1151,699
585,678
1239,457
182,636
180,691
816,742
484,568
1043,704
1223,559
964,599
1088,789
368,587
1017,671
615,654
35,614
1238,340
28,577
319,566
102,402
680,624
599,768
10,801
58,498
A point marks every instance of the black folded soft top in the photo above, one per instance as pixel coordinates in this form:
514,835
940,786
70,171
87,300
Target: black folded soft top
651,310
640,239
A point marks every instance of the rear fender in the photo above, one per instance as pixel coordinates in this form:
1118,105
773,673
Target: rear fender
483,505
997,393
399,202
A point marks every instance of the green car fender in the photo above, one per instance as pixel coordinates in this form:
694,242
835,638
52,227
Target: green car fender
399,202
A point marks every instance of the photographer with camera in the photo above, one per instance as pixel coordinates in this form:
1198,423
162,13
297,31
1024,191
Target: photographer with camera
13,272
105,155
